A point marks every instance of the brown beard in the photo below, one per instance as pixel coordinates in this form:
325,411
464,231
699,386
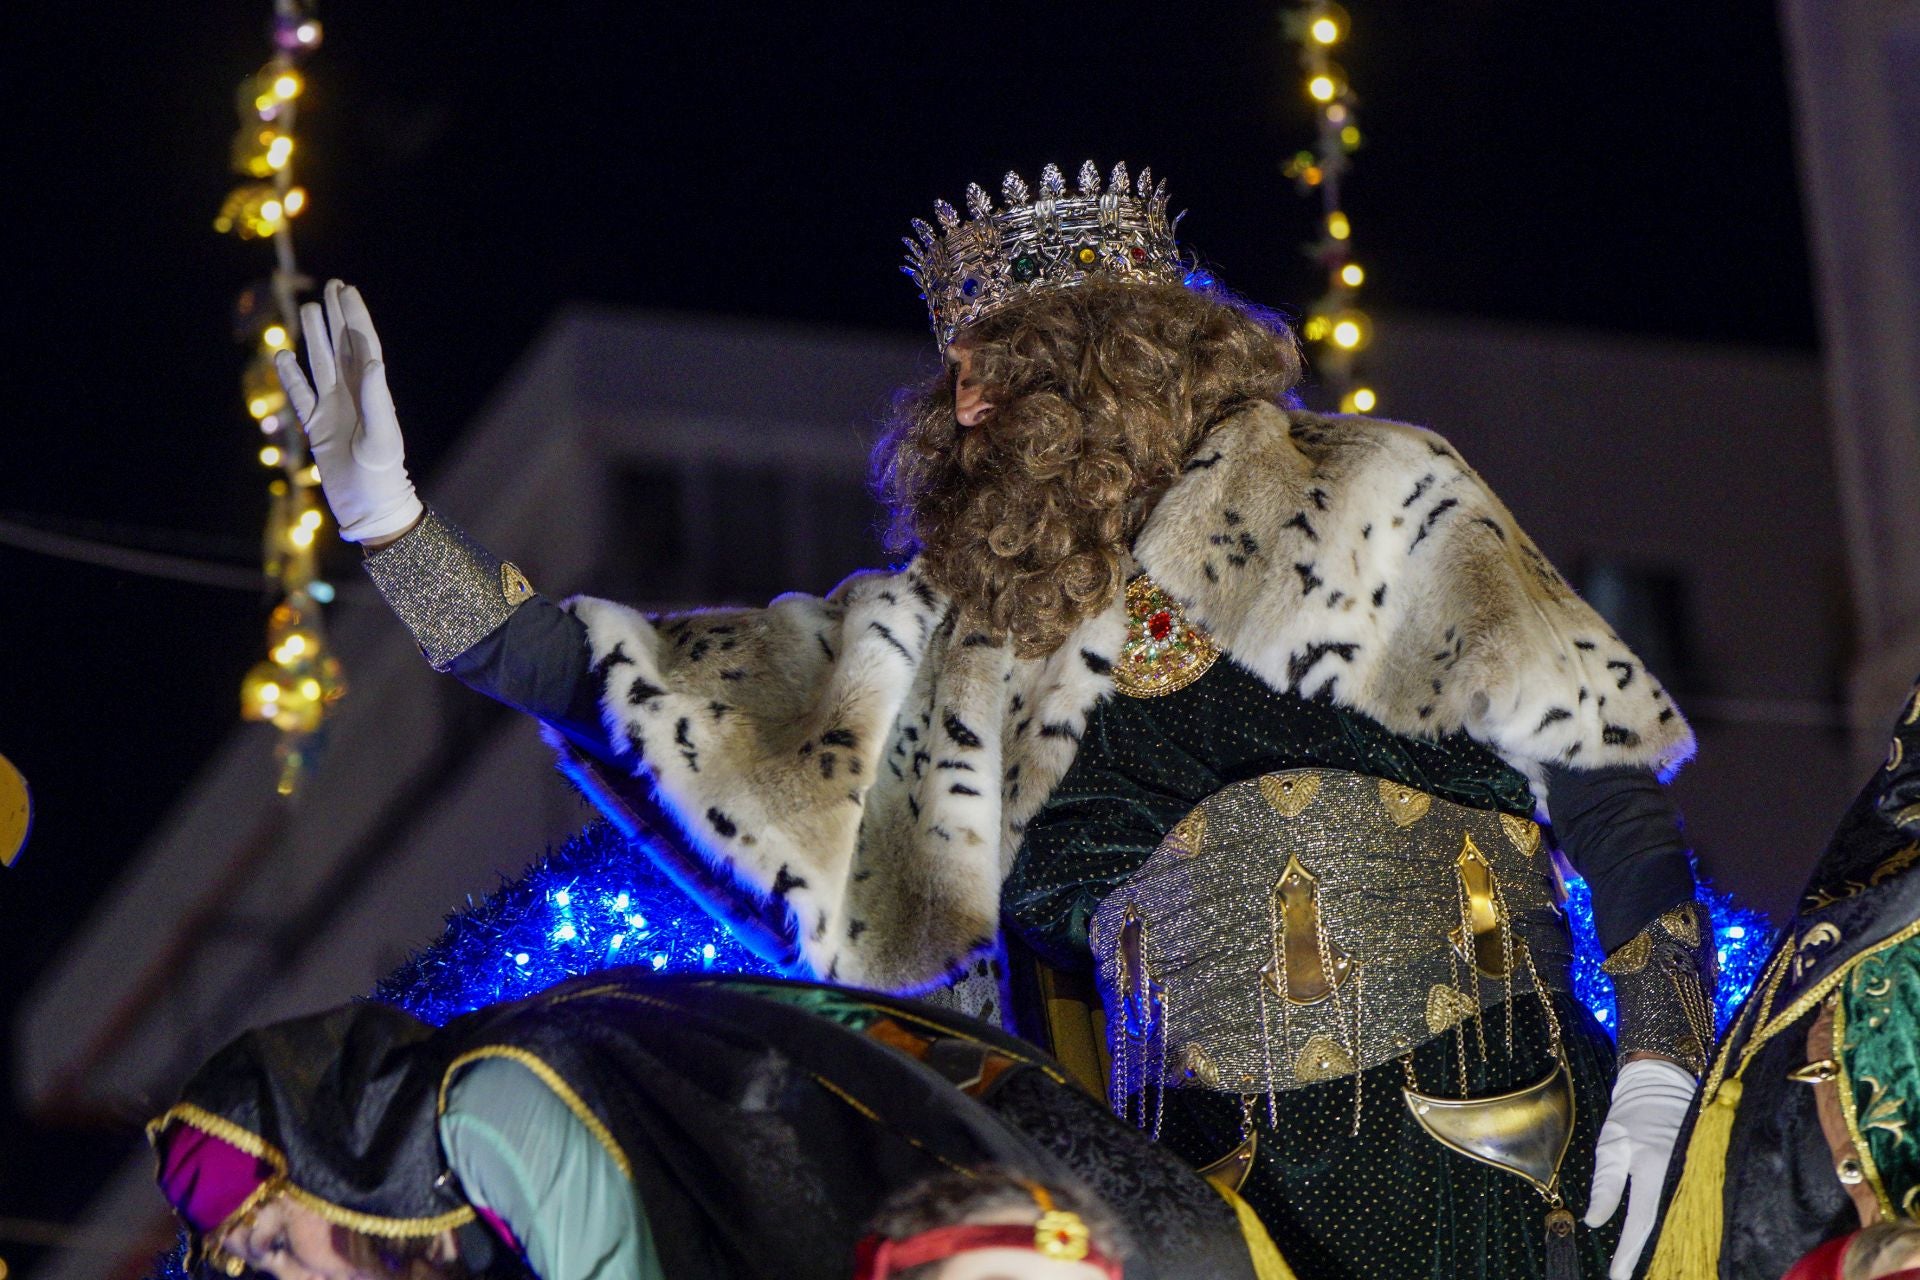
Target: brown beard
1100,392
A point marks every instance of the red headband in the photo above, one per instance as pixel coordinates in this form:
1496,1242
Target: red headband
1058,1234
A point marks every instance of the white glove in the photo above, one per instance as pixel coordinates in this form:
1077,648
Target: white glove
350,423
1650,1101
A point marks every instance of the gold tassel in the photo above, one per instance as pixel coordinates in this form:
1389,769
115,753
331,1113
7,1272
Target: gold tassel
1689,1244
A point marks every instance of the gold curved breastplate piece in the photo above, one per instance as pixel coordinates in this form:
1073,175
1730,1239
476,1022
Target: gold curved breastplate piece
1525,1132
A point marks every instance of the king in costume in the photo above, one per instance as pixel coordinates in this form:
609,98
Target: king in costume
1266,773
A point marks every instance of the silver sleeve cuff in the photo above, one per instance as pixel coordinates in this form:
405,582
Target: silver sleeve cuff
450,591
1663,983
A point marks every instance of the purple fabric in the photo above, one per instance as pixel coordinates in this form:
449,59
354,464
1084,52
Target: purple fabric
207,1178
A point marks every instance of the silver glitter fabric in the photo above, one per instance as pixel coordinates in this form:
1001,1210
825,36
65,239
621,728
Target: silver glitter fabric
448,589
1663,981
1372,883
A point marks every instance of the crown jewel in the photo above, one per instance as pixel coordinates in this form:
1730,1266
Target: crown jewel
966,270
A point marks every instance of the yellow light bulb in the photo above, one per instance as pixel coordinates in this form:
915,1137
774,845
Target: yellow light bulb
295,645
1349,138
1337,225
296,200
1322,89
310,688
271,213
279,151
270,456
1364,400
1353,275
301,535
311,519
1337,113
307,32
1325,30
259,406
269,692
1346,335
1317,328
275,337
287,85
310,475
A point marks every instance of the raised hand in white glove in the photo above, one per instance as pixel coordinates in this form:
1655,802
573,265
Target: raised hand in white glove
1650,1101
347,413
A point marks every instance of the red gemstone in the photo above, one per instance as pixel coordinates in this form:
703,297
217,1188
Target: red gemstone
1139,254
1160,625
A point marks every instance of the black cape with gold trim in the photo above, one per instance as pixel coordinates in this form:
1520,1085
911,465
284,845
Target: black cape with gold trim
1779,1196
759,1135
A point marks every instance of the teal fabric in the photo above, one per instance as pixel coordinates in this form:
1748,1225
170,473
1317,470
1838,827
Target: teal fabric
1145,762
519,1151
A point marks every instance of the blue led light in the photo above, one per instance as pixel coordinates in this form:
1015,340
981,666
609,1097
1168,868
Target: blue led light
622,901
562,898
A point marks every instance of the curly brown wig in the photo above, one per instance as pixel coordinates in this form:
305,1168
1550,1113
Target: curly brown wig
1099,393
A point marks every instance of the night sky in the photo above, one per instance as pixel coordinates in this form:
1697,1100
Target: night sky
472,166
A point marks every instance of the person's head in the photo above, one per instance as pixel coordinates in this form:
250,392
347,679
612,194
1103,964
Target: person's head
1022,474
287,1240
991,1225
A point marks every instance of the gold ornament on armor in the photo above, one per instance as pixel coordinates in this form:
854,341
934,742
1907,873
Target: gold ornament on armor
1289,794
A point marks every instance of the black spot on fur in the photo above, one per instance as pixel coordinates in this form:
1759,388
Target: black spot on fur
1213,574
840,736
683,738
1013,771
833,969
1059,729
820,927
912,734
1615,735
961,789
1095,663
1335,598
1231,516
975,639
960,766
1494,525
614,657
1018,704
1380,595
734,673
636,745
1433,518
1425,711
1300,664
889,597
1020,729
1304,525
1201,464
718,710
722,823
1588,645
1666,715
642,691
1367,532
1318,497
1571,752
921,591
1438,450
828,761
855,928
1584,695
1249,545
861,877
699,650
825,648
1554,716
1309,581
958,731
785,882
1626,672
1419,489
890,638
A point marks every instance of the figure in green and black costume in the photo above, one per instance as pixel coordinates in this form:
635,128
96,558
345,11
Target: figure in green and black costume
1247,710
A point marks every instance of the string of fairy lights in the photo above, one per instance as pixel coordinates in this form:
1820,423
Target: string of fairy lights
300,679
1335,328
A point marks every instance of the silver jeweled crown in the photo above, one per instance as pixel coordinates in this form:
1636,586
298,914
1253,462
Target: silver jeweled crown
968,270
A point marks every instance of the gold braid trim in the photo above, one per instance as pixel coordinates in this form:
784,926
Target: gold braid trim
220,1127
1850,1111
554,1081
372,1224
867,1111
